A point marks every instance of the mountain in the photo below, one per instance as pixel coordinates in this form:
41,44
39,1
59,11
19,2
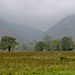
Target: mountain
21,32
66,27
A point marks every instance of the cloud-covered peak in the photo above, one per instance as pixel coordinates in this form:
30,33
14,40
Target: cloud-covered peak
40,14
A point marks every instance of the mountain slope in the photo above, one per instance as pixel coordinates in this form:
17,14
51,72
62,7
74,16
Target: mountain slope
21,32
66,27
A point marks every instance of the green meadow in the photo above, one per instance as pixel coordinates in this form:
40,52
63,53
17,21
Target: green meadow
37,63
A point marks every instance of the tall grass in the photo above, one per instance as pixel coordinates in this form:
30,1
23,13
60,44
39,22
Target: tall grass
36,63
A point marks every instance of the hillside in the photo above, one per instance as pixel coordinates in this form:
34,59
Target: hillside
66,27
21,32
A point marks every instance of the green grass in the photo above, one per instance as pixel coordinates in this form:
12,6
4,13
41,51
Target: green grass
36,63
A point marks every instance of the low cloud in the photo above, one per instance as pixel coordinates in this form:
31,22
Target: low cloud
41,14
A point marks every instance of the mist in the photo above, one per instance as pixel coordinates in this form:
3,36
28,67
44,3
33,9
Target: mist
40,14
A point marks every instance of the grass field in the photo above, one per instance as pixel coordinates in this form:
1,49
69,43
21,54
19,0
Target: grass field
37,63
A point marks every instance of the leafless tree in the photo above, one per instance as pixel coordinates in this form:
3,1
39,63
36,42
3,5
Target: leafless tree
47,39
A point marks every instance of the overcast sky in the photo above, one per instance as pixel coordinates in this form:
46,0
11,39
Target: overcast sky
41,14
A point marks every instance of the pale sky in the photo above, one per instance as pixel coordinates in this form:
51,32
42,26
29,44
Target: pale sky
40,14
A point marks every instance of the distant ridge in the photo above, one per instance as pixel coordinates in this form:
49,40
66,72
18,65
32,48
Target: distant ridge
21,32
66,27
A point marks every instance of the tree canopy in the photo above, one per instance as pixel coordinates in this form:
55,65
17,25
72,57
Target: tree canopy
40,46
55,45
67,43
8,42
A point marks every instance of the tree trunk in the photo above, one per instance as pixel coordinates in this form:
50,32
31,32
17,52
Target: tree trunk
9,48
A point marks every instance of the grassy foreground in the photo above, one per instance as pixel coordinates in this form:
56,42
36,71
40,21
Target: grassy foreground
37,63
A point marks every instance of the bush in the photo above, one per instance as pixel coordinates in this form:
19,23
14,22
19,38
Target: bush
40,46
62,58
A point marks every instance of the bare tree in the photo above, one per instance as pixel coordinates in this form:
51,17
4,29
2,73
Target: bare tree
47,39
